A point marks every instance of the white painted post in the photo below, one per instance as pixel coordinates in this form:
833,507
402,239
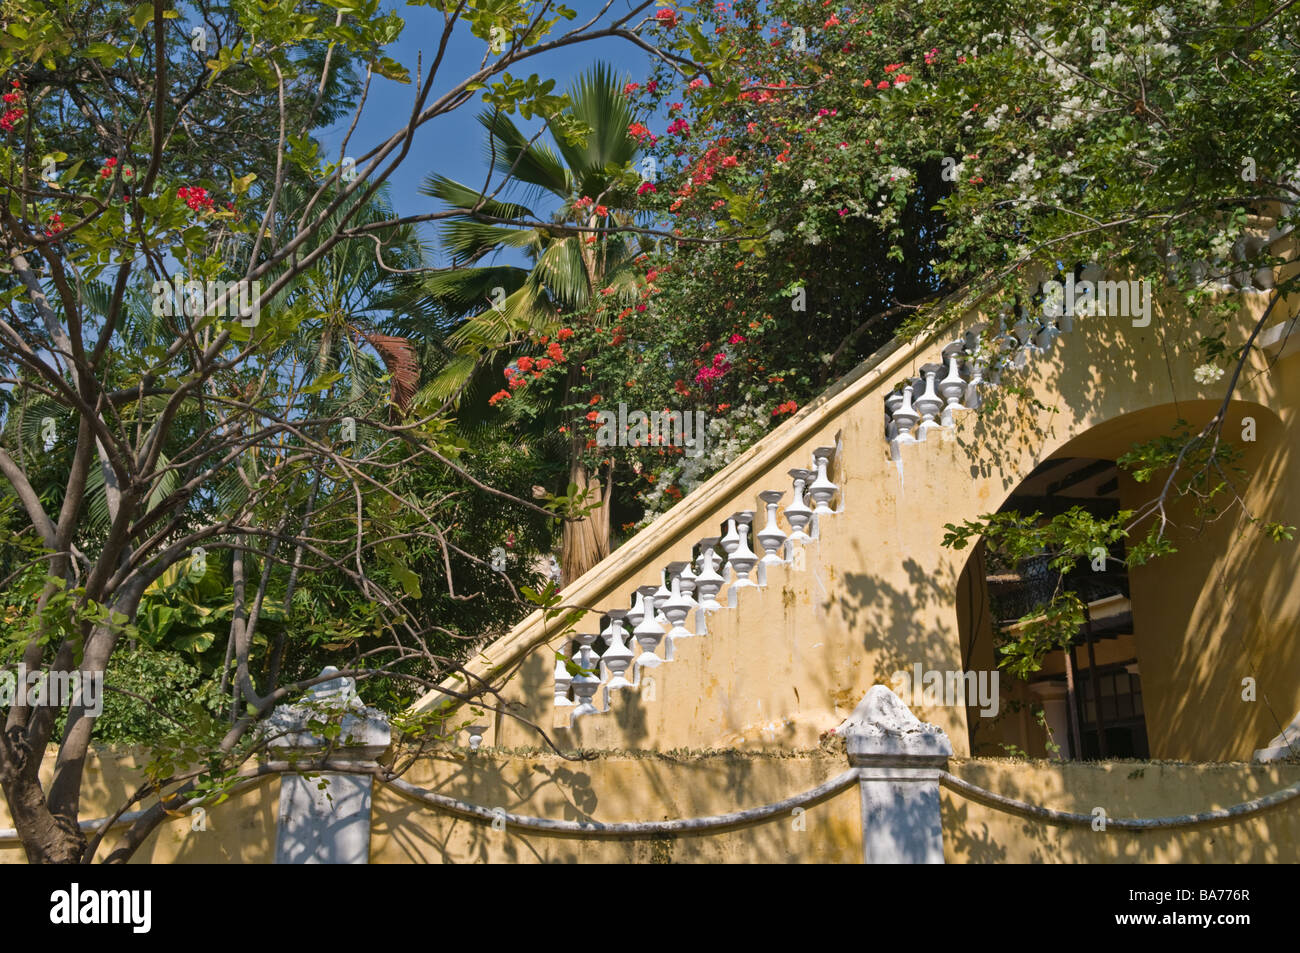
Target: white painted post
325,819
899,759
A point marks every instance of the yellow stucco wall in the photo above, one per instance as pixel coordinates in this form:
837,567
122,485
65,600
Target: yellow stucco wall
241,829
620,787
649,786
976,833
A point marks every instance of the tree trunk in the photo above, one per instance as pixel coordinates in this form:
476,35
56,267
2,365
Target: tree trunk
47,839
585,542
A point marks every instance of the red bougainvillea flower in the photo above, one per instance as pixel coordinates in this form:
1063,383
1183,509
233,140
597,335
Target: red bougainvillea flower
195,197
582,202
637,131
679,127
498,397
730,162
736,339
651,86
517,382
883,84
667,18
525,364
695,83
12,98
645,187
789,407
602,210
543,363
565,334
56,225
10,118
555,351
631,88
593,415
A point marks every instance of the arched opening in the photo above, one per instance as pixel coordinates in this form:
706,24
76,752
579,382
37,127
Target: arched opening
1190,656
1085,701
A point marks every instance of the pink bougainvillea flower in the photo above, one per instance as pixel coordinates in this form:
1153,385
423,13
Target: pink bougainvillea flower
736,339
645,187
667,18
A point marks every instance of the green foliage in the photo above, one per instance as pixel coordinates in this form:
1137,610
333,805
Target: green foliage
167,695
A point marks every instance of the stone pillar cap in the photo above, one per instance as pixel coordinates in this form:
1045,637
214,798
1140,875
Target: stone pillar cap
362,727
883,727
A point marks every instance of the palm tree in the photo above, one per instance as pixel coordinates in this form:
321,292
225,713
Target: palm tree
569,265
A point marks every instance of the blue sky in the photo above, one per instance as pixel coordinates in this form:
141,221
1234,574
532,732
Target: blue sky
453,144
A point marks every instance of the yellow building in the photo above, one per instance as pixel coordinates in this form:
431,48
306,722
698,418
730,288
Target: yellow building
711,734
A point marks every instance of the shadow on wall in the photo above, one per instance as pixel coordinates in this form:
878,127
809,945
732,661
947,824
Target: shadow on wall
637,789
976,833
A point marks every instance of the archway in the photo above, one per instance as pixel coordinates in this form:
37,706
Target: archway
1187,657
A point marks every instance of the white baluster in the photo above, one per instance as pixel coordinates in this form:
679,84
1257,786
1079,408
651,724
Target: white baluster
892,403
618,657
798,514
730,543
677,607
637,612
562,682
771,537
952,388
743,560
822,490
928,402
708,581
976,365
648,633
904,419
585,685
